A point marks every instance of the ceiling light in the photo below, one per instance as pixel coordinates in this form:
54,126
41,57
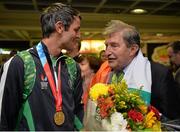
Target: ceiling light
138,11
2,51
159,34
86,33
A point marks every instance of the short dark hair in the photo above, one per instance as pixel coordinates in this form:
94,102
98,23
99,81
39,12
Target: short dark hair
94,62
54,13
175,46
13,52
101,52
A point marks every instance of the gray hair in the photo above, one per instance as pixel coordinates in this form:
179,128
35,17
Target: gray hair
54,13
130,33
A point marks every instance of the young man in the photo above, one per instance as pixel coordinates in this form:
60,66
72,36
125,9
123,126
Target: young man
54,104
125,56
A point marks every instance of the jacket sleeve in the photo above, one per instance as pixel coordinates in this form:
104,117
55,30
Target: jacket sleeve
79,107
11,90
173,97
164,94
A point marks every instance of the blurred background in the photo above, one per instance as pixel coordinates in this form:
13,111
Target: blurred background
157,20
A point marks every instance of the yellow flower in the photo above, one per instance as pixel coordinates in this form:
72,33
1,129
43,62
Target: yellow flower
157,126
150,119
97,90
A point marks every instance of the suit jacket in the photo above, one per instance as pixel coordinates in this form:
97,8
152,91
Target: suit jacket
164,91
177,76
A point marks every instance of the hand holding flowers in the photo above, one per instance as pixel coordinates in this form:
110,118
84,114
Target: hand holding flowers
120,109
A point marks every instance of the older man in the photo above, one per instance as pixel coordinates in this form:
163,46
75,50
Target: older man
125,57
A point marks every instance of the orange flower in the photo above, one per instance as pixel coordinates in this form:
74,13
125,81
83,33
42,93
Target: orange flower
143,108
105,105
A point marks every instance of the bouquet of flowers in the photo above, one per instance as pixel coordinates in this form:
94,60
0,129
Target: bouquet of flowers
118,109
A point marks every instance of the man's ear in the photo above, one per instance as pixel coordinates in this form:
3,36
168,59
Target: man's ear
134,49
59,27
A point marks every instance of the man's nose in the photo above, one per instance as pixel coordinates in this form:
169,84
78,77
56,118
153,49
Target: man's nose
107,51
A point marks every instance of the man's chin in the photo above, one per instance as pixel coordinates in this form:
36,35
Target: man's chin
111,64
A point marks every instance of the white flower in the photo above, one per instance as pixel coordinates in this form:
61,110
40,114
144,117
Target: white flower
116,123
106,125
118,120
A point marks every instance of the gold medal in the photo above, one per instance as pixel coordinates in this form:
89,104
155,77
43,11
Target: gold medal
59,118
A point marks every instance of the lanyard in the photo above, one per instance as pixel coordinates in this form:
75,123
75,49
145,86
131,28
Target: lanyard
55,87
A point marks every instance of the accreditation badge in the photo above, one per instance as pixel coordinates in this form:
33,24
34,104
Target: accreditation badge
44,82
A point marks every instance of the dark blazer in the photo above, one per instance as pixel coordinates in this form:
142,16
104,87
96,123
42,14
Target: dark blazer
165,92
177,76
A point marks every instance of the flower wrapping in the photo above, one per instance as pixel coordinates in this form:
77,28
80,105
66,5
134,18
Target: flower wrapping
112,107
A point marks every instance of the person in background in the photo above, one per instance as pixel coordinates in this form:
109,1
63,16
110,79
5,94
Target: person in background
4,59
174,56
89,65
53,104
74,52
13,52
102,56
125,60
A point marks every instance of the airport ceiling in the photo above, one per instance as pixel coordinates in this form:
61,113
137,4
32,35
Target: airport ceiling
19,19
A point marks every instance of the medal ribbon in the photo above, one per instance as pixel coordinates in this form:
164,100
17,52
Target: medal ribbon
56,89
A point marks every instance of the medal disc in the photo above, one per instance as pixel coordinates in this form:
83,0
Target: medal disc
59,118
